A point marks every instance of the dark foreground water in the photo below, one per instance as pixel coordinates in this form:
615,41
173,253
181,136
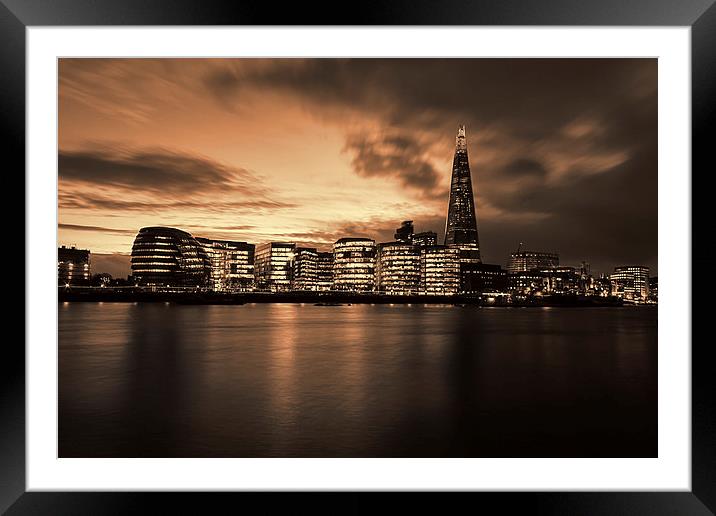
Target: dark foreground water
280,380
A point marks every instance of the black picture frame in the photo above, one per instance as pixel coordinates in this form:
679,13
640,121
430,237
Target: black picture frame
700,15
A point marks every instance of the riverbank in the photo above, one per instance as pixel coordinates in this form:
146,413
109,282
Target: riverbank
110,295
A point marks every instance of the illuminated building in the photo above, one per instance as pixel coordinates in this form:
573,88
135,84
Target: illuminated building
654,290
73,266
231,264
405,232
521,261
324,271
397,269
630,282
525,282
425,239
273,265
482,277
461,222
305,268
169,257
354,264
439,270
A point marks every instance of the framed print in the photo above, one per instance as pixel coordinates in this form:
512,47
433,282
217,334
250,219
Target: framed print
421,252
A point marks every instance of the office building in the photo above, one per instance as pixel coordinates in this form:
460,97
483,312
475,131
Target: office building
231,264
654,290
169,257
305,268
73,266
425,239
522,261
354,264
461,222
273,266
482,277
630,282
398,268
405,232
439,270
324,271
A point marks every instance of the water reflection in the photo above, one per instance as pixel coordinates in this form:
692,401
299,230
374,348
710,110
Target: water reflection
300,380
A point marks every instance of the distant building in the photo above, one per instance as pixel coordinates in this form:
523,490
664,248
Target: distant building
522,261
439,270
354,264
482,277
398,268
231,264
630,282
525,282
273,266
169,257
654,289
425,239
305,268
324,271
405,232
73,266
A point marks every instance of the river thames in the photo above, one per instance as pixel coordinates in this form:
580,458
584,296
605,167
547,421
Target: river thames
292,380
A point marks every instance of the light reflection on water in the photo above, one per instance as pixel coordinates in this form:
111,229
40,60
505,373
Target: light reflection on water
363,380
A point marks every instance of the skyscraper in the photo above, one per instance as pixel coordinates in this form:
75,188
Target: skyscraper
461,224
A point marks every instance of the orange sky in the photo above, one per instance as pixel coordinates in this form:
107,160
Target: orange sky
312,150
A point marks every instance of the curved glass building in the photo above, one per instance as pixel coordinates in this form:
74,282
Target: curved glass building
169,257
354,264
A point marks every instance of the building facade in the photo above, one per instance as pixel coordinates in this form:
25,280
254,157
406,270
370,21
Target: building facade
405,232
522,261
73,266
397,269
169,257
439,270
425,238
482,277
630,282
305,269
354,264
231,264
273,266
324,271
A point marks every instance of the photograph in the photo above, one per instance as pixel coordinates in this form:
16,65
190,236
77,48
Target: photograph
366,257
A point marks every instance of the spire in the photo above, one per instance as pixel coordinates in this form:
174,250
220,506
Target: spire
460,140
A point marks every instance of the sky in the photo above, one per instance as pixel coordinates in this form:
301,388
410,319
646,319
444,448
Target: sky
563,152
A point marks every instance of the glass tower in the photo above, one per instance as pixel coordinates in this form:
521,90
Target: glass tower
461,224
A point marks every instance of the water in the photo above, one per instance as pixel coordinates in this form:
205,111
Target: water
284,380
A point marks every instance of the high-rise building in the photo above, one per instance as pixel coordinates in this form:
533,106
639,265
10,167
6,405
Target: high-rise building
305,268
405,232
461,223
169,257
425,238
354,264
397,269
73,266
521,261
273,265
231,263
630,282
439,270
324,271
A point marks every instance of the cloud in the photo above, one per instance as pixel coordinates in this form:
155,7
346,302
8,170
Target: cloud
158,170
100,229
524,167
395,156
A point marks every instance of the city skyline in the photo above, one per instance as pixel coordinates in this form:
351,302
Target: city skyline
310,151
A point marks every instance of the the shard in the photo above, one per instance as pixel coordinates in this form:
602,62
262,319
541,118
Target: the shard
461,224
